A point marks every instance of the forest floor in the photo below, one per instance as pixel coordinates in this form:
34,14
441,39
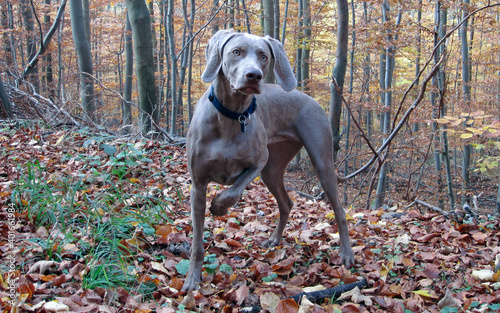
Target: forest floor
95,223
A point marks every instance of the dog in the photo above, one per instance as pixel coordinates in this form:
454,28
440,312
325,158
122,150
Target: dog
242,127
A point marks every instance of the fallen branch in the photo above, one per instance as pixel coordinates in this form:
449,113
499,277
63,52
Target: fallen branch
430,206
317,296
330,293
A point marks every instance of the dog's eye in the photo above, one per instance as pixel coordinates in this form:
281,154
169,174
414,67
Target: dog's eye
264,57
236,52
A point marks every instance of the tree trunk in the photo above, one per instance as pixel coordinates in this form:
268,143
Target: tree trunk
419,52
82,48
306,45
467,149
351,85
338,73
268,17
441,31
129,72
29,24
365,88
190,64
48,77
6,22
144,62
389,70
5,107
173,68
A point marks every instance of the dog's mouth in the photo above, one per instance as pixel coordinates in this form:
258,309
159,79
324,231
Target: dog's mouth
248,90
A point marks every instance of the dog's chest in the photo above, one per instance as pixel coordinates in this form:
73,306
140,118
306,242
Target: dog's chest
225,161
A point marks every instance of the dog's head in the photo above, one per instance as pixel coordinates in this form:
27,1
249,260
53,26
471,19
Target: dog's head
245,59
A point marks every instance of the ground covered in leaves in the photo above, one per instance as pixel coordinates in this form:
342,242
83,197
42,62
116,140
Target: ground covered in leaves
95,223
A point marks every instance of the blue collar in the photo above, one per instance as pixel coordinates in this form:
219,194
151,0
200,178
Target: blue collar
240,117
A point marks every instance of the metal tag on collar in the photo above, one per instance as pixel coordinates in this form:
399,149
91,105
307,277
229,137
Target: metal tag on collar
243,121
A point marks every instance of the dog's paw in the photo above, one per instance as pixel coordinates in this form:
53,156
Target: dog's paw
269,243
347,257
221,203
192,282
218,211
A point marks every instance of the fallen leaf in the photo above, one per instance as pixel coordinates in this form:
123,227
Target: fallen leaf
287,306
241,294
55,306
189,302
356,296
448,300
269,301
41,267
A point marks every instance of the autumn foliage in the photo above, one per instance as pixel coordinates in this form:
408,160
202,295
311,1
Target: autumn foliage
96,221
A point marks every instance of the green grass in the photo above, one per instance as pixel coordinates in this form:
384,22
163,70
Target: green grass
95,209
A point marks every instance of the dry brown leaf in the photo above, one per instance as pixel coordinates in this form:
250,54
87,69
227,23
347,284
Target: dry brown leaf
448,300
269,301
241,294
41,267
189,302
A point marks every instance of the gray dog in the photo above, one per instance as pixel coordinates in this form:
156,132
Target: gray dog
242,127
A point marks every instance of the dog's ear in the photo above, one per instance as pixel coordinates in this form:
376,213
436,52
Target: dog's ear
213,54
282,68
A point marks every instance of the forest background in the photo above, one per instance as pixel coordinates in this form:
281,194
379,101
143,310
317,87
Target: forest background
81,67
420,96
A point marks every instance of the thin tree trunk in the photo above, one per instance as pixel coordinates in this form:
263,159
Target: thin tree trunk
338,73
190,64
173,67
467,149
268,17
306,45
82,47
443,16
419,52
365,88
140,21
129,72
5,106
29,24
389,71
351,83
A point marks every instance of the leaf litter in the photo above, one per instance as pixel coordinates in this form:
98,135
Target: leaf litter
84,208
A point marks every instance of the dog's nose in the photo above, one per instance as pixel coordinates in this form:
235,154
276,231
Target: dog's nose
254,76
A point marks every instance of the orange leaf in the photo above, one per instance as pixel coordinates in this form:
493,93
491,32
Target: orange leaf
287,306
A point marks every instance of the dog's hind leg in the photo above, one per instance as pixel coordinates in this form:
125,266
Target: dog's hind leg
272,175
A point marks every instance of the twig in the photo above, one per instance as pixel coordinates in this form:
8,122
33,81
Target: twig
430,206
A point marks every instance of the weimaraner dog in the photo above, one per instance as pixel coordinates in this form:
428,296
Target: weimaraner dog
242,127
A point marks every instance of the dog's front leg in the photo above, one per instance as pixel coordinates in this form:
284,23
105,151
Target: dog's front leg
198,207
222,202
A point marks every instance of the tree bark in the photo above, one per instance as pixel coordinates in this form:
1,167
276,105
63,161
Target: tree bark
29,24
389,71
6,108
306,45
338,73
173,67
82,47
268,17
144,62
129,72
467,149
